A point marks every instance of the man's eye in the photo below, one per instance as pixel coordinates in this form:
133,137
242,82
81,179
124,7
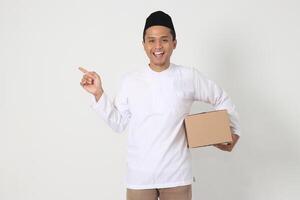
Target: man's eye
165,40
151,41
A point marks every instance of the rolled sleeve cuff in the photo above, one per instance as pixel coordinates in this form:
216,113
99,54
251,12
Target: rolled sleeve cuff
235,131
100,104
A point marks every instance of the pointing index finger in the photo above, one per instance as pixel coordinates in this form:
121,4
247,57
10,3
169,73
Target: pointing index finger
83,70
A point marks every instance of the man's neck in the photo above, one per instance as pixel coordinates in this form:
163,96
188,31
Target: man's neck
158,68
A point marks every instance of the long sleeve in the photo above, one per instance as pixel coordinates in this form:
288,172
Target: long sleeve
207,91
115,113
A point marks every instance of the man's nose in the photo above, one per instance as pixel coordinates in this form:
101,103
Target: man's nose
158,44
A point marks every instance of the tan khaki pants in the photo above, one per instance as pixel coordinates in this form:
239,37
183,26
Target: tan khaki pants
173,193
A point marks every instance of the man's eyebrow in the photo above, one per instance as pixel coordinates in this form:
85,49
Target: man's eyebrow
152,37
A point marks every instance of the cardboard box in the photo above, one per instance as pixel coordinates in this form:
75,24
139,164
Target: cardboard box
207,128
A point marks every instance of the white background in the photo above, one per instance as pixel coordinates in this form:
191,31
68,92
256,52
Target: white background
53,146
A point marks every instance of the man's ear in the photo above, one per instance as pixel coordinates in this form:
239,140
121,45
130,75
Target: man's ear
143,43
175,44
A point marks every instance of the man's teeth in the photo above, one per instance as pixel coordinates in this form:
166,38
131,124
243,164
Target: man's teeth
158,53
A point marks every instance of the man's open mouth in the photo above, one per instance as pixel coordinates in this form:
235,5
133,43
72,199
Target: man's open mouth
158,54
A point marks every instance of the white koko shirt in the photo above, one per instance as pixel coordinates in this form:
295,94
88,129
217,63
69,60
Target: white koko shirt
153,106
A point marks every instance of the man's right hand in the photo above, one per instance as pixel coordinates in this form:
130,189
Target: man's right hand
91,82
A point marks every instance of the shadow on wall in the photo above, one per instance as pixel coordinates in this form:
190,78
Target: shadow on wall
264,162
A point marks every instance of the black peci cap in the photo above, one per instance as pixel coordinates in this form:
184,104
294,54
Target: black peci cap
159,18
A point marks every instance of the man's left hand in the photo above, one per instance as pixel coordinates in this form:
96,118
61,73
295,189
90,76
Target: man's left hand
228,146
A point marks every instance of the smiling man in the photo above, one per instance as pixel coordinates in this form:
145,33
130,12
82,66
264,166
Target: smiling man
153,102
159,40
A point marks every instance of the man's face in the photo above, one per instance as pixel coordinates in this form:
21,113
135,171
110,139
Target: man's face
159,45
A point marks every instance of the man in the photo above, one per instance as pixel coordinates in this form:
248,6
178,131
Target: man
153,102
